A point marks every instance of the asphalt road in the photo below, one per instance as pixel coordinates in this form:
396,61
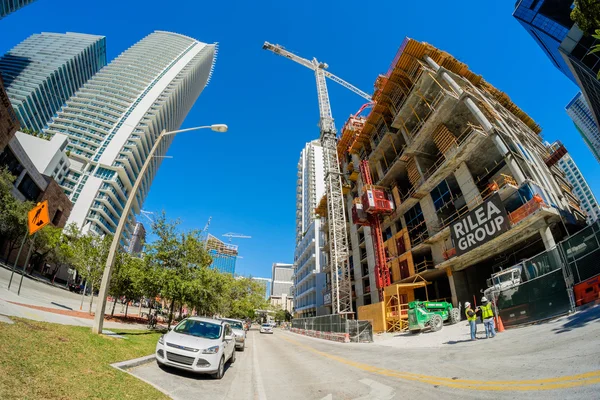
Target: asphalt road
543,363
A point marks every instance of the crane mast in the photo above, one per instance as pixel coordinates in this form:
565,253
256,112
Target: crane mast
341,282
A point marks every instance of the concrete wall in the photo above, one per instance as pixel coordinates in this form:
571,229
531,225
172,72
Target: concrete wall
9,123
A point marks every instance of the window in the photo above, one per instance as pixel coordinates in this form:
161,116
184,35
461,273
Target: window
29,189
57,216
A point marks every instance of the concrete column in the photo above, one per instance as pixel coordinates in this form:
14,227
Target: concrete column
420,168
452,286
379,169
467,185
515,169
547,238
428,208
20,178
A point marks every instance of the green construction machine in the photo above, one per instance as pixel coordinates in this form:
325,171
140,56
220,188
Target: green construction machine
430,315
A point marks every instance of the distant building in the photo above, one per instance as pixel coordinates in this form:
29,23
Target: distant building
42,72
309,258
10,6
281,279
266,283
284,301
224,255
9,123
580,113
138,239
581,189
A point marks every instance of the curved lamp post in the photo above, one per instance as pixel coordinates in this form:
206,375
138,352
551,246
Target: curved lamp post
114,247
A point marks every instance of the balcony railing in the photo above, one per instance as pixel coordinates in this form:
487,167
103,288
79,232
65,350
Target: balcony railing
424,266
526,210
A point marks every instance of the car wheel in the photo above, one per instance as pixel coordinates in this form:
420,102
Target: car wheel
221,371
243,347
232,359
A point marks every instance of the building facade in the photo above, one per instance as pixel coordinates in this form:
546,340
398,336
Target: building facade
224,255
138,239
473,186
309,259
548,22
9,123
113,121
582,117
44,70
581,189
281,279
10,6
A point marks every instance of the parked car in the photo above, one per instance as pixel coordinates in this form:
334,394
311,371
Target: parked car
266,328
201,345
238,330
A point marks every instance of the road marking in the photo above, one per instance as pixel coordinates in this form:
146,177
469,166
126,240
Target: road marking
328,397
379,391
561,382
260,389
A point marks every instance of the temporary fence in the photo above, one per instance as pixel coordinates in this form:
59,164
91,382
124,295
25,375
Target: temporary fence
334,327
548,280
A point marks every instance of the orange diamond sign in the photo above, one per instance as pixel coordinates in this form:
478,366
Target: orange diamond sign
38,217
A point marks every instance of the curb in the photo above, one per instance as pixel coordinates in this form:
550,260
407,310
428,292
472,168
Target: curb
136,362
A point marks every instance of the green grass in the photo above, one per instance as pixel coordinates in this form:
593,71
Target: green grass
48,361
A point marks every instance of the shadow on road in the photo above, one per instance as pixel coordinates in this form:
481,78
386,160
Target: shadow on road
191,375
580,319
61,305
459,341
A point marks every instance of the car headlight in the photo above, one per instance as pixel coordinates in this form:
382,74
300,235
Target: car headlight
211,350
161,339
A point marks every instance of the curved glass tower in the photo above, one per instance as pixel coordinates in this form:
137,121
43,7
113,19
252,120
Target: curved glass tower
113,121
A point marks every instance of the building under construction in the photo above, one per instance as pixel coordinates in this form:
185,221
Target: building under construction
449,182
224,255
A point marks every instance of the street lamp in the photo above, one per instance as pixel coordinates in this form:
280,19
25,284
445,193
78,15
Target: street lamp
101,305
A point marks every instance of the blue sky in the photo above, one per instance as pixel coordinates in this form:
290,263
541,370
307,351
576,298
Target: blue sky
245,179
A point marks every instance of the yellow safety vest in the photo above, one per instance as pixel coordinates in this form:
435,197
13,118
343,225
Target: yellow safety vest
473,318
486,311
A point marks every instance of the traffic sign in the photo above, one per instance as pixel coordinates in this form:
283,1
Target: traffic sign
38,217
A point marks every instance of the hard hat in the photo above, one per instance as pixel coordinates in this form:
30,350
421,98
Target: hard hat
484,299
467,304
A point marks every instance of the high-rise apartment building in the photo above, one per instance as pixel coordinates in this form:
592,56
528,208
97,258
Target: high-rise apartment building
44,70
281,279
309,259
473,186
224,255
138,239
548,22
581,189
9,6
113,121
580,113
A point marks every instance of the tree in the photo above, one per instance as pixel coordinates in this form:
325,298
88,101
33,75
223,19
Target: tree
586,15
125,279
246,296
596,48
13,214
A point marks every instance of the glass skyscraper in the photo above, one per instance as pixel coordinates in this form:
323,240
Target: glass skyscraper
9,6
548,22
580,113
44,70
224,255
113,121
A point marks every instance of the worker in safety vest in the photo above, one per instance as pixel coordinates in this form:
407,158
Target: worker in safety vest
472,318
487,316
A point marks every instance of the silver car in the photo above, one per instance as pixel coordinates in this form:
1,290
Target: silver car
238,331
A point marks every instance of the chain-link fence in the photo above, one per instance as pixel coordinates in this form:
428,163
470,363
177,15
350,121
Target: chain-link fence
334,327
546,288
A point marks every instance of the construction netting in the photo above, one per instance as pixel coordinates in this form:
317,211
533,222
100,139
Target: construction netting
547,280
354,330
582,252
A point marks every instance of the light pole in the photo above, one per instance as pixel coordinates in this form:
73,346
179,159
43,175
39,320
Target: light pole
114,247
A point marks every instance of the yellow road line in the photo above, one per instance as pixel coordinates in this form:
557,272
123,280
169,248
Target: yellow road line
561,382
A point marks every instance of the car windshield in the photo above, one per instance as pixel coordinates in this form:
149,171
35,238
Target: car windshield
235,324
201,329
266,325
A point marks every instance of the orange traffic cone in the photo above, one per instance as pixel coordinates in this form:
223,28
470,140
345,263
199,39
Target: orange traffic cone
499,324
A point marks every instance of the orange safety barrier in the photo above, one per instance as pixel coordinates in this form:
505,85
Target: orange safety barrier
526,209
587,291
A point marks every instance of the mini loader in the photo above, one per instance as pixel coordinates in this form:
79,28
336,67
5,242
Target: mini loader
430,315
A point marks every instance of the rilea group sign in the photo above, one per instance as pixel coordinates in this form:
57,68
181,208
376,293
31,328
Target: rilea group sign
480,225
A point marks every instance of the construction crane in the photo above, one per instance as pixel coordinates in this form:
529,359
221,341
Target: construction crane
341,282
231,235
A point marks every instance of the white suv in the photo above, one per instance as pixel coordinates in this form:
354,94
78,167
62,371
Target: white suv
196,344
